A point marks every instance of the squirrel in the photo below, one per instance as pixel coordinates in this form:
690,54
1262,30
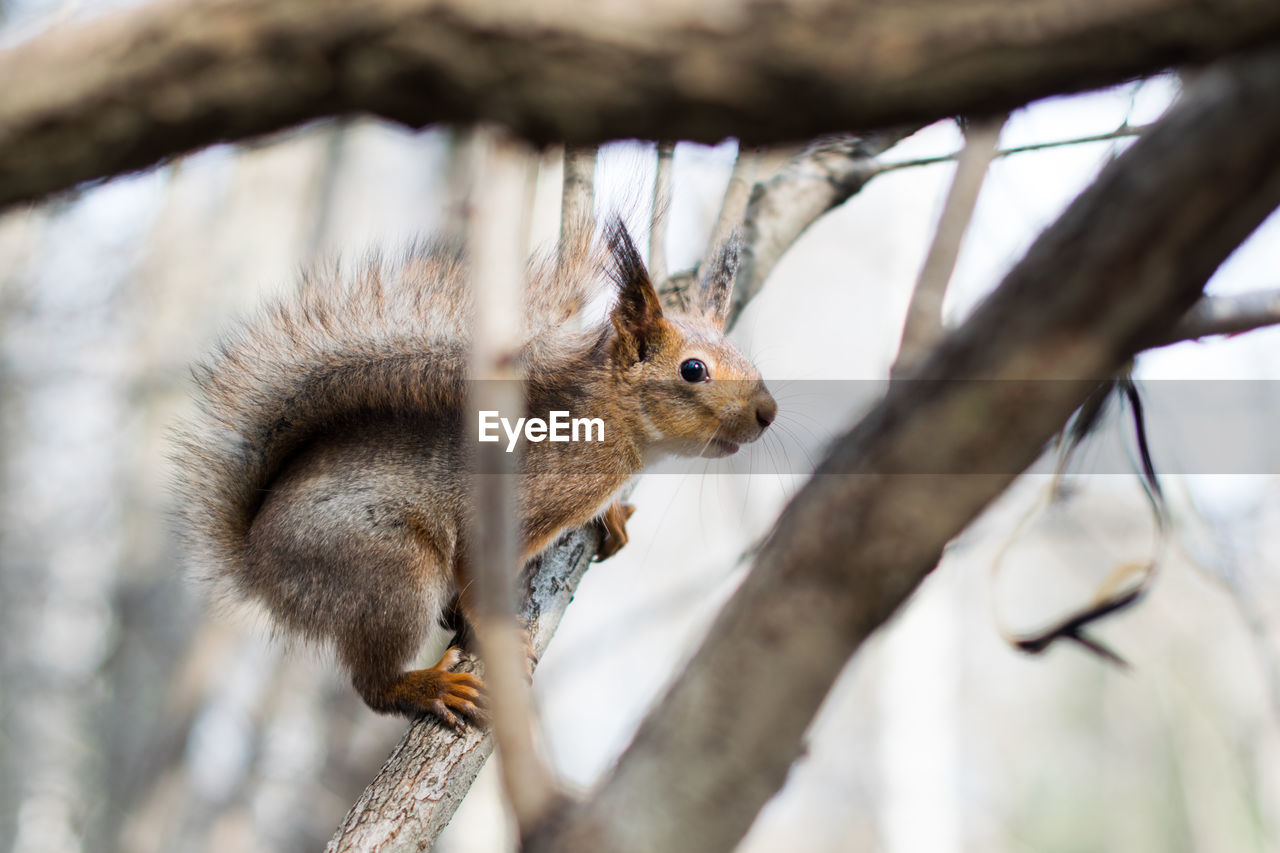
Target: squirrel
326,474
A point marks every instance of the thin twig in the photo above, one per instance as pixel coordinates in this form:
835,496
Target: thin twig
748,168
1122,132
923,328
659,214
737,193
497,234
1226,315
577,199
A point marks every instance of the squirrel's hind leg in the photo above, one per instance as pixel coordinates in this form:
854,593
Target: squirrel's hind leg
388,633
405,590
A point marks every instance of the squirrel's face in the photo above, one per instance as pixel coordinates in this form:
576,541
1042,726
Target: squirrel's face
698,394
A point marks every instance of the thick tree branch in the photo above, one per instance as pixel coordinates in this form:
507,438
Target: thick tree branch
1121,267
823,176
98,99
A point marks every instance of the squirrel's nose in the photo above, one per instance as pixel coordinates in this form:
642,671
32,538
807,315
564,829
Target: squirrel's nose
766,409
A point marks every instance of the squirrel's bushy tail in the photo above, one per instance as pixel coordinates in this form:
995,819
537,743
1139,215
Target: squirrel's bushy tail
386,338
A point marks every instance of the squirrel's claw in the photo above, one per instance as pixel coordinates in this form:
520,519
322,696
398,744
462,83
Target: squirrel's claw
464,700
461,694
613,525
454,698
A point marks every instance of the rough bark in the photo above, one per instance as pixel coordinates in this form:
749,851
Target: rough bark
1117,271
820,178
124,92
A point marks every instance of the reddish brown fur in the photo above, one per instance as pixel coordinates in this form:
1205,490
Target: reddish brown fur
326,479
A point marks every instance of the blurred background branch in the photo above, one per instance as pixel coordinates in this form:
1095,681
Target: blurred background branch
166,78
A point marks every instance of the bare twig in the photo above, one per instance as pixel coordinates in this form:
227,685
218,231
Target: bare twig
497,235
750,166
168,77
577,199
1226,315
1124,131
923,326
733,207
659,213
1125,261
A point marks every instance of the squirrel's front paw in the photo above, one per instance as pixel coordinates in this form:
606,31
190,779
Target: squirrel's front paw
613,525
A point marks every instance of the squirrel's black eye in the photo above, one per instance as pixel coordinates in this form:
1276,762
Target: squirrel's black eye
693,370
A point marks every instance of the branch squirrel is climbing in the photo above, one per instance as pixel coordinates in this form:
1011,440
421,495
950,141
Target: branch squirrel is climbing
327,475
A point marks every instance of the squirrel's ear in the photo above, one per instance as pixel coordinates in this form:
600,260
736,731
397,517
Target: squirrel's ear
638,314
716,283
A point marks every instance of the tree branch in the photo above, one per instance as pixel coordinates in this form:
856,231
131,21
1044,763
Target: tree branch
129,90
1119,268
1124,131
577,201
818,179
496,238
737,194
923,327
658,213
1226,315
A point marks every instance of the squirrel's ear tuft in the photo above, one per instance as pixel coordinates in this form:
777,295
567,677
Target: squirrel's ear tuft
716,284
638,314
